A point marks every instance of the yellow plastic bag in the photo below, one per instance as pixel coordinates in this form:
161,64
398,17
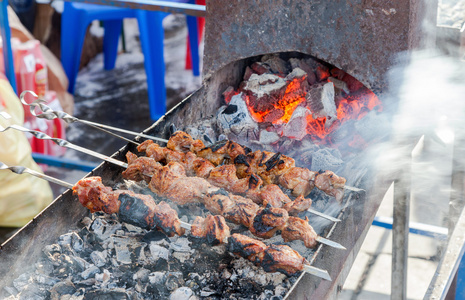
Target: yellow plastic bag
21,196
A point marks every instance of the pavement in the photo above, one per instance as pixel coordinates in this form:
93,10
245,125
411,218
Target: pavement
119,98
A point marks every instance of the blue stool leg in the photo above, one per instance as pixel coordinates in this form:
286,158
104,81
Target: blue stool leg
73,31
110,42
194,43
151,36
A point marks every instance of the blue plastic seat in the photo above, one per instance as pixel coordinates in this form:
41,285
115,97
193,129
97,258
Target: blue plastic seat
77,16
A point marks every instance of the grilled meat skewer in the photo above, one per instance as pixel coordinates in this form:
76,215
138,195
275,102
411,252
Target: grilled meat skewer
225,177
273,168
171,181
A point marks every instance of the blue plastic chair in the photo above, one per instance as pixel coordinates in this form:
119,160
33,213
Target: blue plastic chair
74,22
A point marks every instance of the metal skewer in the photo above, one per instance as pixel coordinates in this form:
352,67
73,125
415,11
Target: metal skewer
21,170
50,114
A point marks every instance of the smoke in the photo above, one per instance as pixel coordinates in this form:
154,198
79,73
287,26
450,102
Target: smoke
426,104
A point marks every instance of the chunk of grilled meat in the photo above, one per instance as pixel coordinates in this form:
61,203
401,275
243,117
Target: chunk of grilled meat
298,229
139,168
171,181
268,221
273,168
273,258
222,176
212,228
137,209
331,184
94,196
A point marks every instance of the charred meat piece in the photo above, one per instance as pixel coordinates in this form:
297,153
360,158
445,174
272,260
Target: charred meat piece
247,247
221,151
95,196
331,184
268,165
136,209
273,258
298,229
299,180
213,229
139,168
272,195
282,258
268,221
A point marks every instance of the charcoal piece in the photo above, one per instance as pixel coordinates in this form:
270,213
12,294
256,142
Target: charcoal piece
275,63
173,280
103,229
158,252
99,258
157,278
320,101
259,68
173,129
11,290
181,256
128,249
326,159
142,274
33,291
340,86
228,93
296,128
62,288
103,277
107,294
79,264
181,293
90,272
235,119
268,137
22,280
45,280
301,64
181,244
44,267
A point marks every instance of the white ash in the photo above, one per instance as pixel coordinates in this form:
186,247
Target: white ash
265,84
268,137
182,293
158,252
327,159
275,63
235,119
339,86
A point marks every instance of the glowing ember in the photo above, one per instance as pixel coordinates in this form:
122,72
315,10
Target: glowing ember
272,99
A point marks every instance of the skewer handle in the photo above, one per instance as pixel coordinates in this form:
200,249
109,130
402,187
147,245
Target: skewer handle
50,114
22,170
66,144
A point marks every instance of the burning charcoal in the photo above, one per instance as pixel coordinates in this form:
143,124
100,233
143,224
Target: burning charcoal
173,280
326,159
301,64
259,68
247,73
339,86
235,119
181,293
228,94
62,288
99,258
181,245
276,64
158,252
268,137
320,101
90,272
44,267
296,73
296,128
79,263
133,229
103,229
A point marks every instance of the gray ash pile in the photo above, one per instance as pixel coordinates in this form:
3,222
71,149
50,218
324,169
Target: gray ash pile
107,259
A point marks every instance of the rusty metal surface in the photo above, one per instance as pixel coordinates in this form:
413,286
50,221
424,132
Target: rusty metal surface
362,37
